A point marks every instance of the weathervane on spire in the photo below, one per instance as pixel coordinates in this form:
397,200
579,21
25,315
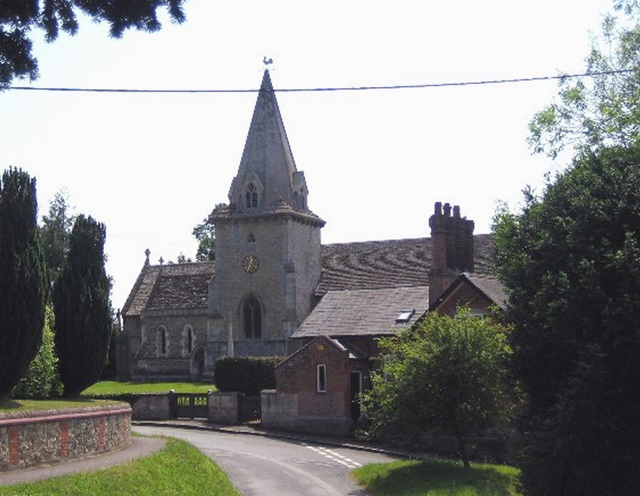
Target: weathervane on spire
267,62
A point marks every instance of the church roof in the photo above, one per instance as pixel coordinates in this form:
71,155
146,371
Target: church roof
365,312
345,267
171,286
390,263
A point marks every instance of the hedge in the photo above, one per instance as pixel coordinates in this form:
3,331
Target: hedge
247,375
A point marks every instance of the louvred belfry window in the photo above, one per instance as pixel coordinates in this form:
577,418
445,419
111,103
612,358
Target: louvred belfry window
251,197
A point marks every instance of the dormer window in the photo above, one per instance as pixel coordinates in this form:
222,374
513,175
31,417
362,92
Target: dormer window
251,196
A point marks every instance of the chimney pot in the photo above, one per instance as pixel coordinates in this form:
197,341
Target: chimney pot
456,211
438,208
447,210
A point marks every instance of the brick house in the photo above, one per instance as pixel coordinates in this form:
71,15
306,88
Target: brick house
317,386
274,287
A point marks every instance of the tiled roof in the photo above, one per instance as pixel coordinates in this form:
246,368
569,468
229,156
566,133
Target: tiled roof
491,287
172,286
364,312
391,263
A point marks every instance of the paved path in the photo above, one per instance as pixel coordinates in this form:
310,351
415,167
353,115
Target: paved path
140,446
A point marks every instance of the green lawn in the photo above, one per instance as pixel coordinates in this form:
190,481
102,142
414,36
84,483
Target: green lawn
178,470
10,405
112,387
437,478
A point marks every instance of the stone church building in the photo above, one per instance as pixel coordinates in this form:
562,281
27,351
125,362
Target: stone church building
271,272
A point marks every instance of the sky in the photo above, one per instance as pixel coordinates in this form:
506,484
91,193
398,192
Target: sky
152,166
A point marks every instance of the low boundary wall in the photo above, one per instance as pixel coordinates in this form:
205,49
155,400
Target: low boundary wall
35,438
280,411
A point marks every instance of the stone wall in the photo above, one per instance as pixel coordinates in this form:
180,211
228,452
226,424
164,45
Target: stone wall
43,437
152,407
280,411
224,408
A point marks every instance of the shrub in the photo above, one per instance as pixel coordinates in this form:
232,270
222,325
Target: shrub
247,375
42,379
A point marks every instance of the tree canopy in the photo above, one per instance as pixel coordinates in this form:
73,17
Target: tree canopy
82,308
603,108
571,262
22,277
20,18
55,232
446,376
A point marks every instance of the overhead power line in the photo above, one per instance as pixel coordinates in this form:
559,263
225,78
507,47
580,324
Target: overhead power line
327,89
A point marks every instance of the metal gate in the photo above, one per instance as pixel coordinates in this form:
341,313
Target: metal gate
190,405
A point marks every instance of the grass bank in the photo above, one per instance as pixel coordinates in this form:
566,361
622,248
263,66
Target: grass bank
179,469
437,478
112,387
11,405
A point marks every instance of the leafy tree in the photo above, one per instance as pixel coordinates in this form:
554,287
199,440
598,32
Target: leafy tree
55,232
447,376
205,233
42,379
82,308
571,261
182,258
22,277
602,109
19,18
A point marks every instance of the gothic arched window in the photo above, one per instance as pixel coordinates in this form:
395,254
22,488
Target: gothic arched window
252,318
163,342
251,196
189,340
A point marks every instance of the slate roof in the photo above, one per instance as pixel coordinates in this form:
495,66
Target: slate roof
172,286
364,312
391,263
491,287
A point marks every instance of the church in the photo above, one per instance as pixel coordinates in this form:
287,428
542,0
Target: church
273,284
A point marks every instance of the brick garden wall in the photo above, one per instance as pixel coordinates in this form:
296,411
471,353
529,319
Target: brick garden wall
35,438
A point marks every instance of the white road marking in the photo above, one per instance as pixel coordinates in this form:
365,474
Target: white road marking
333,456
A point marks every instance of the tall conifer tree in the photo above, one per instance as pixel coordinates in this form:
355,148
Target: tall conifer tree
22,277
82,309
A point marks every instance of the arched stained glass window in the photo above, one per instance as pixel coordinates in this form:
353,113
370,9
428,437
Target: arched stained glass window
252,318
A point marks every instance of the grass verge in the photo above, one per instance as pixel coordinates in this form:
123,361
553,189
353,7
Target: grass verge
437,478
11,405
178,469
112,387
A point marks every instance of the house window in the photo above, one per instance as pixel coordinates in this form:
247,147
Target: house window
251,196
252,318
163,344
189,338
322,378
404,316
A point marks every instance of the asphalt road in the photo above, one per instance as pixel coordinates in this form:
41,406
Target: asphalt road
264,466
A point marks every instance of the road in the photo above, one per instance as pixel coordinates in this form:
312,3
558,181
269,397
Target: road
264,466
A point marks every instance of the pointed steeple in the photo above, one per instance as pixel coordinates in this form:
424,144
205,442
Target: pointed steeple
267,178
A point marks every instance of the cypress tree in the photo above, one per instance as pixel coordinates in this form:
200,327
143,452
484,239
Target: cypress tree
22,277
82,309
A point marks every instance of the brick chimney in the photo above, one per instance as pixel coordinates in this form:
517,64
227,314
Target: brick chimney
451,248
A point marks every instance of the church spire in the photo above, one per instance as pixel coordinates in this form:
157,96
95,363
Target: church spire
267,175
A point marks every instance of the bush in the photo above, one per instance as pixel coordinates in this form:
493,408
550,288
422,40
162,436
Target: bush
247,375
41,380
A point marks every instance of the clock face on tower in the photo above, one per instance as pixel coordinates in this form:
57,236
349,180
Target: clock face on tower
250,264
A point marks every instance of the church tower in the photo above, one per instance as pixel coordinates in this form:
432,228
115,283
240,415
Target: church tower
268,261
